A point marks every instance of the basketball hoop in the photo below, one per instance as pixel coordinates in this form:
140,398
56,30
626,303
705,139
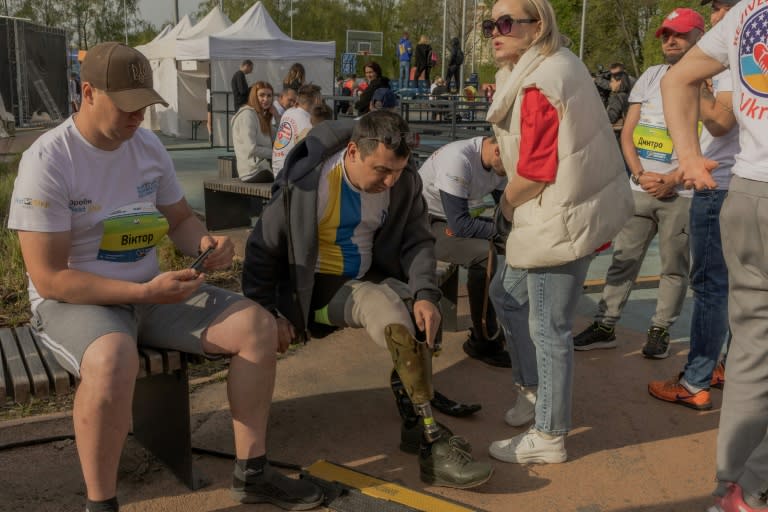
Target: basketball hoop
364,53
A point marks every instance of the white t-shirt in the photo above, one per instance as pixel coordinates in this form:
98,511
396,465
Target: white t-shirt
651,137
457,169
295,123
739,42
721,149
347,220
106,199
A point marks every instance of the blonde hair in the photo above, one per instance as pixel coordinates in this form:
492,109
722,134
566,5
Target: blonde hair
549,39
423,40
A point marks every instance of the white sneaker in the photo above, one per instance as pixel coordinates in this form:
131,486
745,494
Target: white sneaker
530,447
524,409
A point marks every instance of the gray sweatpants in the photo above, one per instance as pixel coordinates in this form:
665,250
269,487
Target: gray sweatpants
372,306
668,218
742,442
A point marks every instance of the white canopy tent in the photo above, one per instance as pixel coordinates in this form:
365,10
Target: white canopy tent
165,47
161,53
180,87
163,32
254,36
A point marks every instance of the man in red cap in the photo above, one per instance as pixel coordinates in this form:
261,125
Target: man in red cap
660,205
93,198
709,275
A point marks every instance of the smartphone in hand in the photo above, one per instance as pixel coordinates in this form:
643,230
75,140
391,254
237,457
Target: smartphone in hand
197,265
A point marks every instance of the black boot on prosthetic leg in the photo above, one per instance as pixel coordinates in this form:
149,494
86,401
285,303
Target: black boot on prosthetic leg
444,461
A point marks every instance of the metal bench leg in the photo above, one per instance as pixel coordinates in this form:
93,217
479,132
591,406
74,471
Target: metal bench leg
448,304
161,423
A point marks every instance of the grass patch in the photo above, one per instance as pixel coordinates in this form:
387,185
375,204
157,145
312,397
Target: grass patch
14,301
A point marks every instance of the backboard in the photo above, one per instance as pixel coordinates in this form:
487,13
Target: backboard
365,42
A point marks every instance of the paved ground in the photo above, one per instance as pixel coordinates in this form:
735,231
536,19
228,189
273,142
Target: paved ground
627,451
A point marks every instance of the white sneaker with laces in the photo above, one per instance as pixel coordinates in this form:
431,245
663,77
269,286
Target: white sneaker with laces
524,409
530,447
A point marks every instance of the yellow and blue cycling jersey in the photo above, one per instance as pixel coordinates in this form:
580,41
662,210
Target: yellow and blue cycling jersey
348,219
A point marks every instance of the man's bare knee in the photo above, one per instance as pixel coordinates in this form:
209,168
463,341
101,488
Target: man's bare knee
243,327
110,361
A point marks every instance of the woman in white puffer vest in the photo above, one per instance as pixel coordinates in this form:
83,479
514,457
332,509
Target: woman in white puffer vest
567,196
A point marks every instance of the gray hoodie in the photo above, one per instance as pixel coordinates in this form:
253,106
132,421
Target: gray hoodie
281,252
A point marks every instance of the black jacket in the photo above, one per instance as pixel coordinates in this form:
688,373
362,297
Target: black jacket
422,56
282,250
363,105
239,89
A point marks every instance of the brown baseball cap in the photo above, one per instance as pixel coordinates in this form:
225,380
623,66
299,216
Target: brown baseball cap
123,74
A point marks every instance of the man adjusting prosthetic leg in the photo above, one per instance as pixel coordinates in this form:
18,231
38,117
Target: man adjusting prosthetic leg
345,242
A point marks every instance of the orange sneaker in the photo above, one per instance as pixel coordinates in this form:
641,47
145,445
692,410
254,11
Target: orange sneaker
673,391
718,376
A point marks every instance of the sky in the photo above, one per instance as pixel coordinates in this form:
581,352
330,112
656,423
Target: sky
158,12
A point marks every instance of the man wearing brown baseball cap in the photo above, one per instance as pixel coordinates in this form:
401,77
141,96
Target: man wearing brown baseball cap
93,198
123,73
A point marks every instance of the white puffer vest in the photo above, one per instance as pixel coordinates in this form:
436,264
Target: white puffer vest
590,201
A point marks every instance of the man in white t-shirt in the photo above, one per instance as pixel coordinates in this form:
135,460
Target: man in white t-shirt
295,123
660,205
457,178
93,198
740,43
709,275
285,100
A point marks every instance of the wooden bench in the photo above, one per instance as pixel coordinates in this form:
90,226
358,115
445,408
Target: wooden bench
230,203
161,413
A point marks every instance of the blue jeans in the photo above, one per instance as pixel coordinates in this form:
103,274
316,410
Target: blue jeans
536,309
709,282
405,73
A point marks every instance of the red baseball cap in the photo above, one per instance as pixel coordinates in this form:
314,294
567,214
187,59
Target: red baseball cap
682,20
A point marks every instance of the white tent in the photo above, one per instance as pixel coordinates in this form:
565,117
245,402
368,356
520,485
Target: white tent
165,47
161,53
180,87
255,36
163,32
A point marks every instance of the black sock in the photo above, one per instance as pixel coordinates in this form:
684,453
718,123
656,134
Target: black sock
256,463
109,505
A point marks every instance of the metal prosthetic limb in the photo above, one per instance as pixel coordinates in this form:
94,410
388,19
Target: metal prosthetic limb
404,404
413,363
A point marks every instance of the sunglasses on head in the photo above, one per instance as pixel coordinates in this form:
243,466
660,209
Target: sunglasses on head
504,24
393,141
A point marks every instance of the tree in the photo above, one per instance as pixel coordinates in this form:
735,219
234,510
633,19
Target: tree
90,21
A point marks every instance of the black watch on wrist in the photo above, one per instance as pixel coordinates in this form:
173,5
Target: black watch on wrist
636,178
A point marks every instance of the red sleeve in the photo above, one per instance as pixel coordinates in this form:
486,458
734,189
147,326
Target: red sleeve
539,124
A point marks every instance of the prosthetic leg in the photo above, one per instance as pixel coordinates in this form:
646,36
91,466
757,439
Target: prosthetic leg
443,459
412,379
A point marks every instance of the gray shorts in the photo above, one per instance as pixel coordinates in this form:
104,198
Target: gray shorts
69,329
